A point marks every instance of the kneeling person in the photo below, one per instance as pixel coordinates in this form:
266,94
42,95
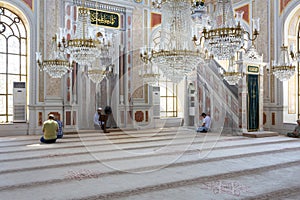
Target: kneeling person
50,128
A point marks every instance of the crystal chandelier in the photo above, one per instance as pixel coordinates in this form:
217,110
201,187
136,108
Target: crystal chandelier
84,45
224,35
150,75
96,75
175,50
283,69
232,76
103,68
106,53
173,74
56,65
103,65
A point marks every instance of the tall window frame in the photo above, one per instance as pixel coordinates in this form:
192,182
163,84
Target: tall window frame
168,99
13,59
298,70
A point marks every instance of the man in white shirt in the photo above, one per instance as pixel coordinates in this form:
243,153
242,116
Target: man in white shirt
205,123
97,123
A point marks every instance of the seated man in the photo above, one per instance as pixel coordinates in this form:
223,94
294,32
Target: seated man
296,131
50,128
205,123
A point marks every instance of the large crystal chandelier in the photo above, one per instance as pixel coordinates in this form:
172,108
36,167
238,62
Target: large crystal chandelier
232,76
283,69
84,45
175,50
56,65
224,35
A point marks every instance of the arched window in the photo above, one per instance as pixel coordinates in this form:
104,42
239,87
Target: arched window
13,59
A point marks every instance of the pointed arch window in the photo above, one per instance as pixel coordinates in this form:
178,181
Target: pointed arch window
13,59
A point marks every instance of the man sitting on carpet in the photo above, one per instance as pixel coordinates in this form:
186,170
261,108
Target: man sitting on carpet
296,131
205,123
50,128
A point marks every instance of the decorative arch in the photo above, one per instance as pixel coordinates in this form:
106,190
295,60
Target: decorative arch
289,19
291,23
27,15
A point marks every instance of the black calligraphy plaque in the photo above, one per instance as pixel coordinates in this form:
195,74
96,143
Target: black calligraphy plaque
107,19
253,69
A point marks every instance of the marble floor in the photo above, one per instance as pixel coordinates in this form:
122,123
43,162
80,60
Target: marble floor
168,164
